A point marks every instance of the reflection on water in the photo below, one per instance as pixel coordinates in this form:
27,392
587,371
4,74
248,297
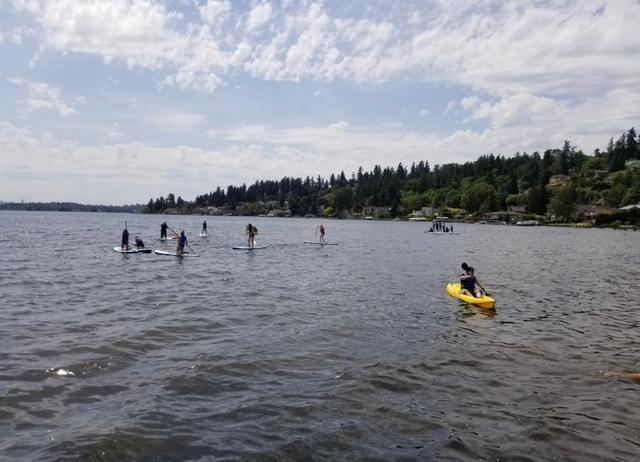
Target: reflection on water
297,352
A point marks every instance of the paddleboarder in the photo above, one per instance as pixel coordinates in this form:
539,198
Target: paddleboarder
321,233
204,228
163,230
182,242
125,240
138,243
251,235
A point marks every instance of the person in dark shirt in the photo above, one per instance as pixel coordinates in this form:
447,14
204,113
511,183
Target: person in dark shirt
468,282
182,243
125,240
163,230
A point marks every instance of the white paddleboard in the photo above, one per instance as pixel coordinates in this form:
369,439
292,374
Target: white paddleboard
244,247
144,250
174,254
320,243
203,235
121,250
441,232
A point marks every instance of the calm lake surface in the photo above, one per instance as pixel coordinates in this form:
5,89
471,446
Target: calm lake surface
297,352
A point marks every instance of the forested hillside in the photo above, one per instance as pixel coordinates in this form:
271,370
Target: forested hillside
553,183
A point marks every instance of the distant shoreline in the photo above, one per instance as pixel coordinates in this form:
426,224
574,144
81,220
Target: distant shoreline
69,207
128,209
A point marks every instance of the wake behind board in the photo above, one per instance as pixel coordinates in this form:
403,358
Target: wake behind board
121,250
175,254
244,247
320,243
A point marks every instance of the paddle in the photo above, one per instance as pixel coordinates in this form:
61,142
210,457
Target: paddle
172,231
483,289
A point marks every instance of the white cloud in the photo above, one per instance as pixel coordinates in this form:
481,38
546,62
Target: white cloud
424,113
176,120
135,31
213,11
259,15
42,96
451,105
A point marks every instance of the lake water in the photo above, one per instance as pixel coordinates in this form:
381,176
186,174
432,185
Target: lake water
300,352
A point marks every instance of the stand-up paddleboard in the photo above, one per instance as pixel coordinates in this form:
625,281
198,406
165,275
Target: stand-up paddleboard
320,243
144,250
175,254
482,302
245,247
203,235
442,232
121,250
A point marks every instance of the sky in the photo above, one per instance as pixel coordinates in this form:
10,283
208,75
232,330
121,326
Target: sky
119,101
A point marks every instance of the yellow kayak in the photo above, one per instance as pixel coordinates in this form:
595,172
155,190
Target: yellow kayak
482,302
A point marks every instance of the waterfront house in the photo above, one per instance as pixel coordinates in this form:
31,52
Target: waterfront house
588,212
559,180
632,163
377,212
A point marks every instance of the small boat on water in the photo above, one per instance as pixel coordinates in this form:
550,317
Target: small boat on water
527,223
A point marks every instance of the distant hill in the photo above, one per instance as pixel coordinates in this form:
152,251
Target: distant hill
69,207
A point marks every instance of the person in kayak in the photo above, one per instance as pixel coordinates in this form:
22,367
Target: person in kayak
138,243
163,230
321,233
125,240
468,282
204,228
182,242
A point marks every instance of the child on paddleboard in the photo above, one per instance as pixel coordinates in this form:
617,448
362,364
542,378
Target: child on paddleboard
182,242
468,282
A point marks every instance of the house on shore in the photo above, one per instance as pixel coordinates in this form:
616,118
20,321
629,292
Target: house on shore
558,181
377,212
589,213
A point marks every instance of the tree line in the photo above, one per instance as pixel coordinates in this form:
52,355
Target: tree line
490,183
70,207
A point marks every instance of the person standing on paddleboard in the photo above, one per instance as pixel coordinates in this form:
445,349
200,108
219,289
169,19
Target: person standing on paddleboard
468,282
204,228
163,230
249,231
182,242
321,233
125,240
